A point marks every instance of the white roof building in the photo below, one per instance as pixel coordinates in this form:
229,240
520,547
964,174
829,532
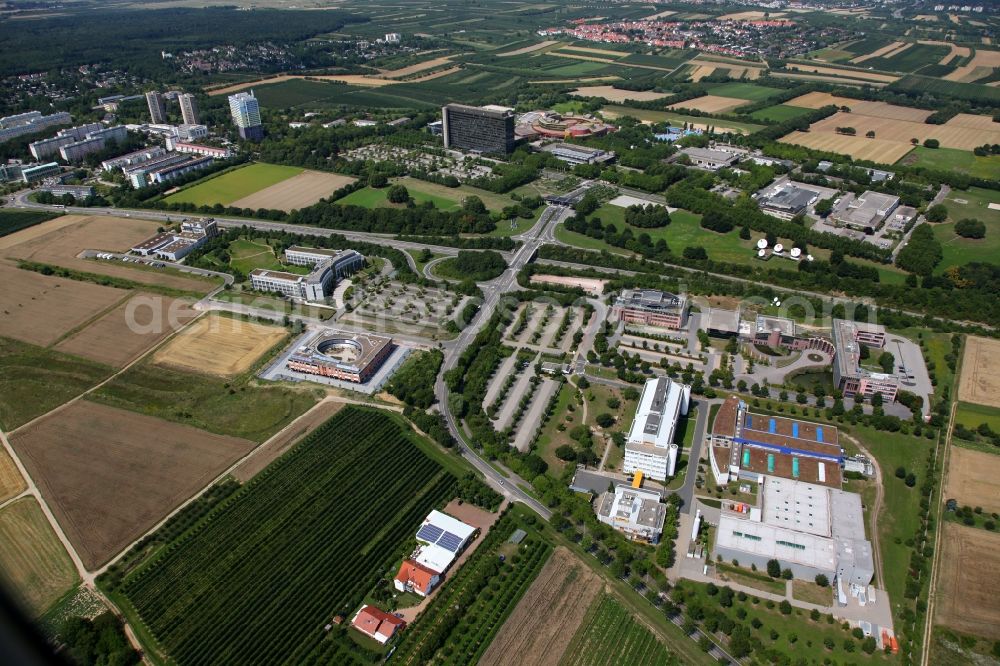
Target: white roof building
637,512
650,446
441,539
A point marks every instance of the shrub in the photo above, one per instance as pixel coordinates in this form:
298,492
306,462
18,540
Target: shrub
969,228
822,580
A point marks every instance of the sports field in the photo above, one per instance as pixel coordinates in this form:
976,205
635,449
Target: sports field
219,345
33,563
234,185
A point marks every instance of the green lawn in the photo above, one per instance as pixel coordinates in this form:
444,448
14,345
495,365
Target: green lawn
779,113
453,195
647,115
972,203
234,185
551,438
371,197
34,380
747,91
576,106
952,159
971,416
246,255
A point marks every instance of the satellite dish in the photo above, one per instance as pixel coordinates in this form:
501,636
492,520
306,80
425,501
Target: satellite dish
809,257
761,252
796,252
779,248
762,243
778,304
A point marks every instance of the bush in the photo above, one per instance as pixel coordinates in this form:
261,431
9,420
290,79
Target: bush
773,568
566,452
822,580
604,420
785,607
969,228
931,143
936,213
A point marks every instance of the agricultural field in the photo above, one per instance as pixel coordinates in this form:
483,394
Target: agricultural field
15,220
300,191
952,159
909,59
219,345
259,577
710,104
234,185
969,582
34,566
778,113
610,635
842,72
974,478
125,332
109,475
34,380
972,416
968,91
235,408
747,91
11,482
565,588
617,95
462,620
980,381
41,309
963,132
60,241
612,112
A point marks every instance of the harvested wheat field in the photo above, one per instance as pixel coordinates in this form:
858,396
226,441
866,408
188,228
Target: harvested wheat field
527,49
951,135
544,621
299,191
11,482
126,332
974,478
980,381
219,345
845,73
816,100
40,308
33,563
413,69
590,285
984,61
877,53
282,441
701,71
61,244
710,104
859,148
753,15
613,94
968,596
109,475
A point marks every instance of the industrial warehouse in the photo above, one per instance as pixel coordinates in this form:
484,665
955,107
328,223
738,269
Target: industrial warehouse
352,357
650,446
174,246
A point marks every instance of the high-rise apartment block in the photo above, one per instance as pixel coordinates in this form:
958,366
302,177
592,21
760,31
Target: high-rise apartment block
189,108
484,129
246,115
157,107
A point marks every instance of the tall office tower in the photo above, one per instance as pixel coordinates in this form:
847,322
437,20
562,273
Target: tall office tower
486,129
246,115
189,109
157,107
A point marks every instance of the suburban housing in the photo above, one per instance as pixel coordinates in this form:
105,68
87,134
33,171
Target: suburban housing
376,623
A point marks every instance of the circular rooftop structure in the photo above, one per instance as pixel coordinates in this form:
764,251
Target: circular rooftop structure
556,125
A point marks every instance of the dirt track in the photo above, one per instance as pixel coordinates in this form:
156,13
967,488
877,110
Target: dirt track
544,621
109,475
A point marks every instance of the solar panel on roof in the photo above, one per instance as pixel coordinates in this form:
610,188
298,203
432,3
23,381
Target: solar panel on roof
429,533
450,541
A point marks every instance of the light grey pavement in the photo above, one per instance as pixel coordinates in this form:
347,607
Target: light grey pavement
513,398
499,379
532,420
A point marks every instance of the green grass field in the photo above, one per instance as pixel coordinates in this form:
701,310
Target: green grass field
15,220
34,380
779,113
246,255
646,115
371,197
971,416
747,91
214,404
952,159
972,203
234,185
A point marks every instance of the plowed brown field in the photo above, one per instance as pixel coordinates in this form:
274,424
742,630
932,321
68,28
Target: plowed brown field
968,598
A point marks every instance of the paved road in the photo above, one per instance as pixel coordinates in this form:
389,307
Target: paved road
700,431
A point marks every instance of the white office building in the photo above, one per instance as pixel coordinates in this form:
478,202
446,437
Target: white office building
189,108
650,447
246,115
637,512
344,262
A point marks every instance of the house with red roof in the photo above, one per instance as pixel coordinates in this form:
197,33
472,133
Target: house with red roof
376,623
415,577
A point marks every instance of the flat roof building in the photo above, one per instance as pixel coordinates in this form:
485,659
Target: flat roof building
744,445
808,528
133,158
485,129
848,374
352,357
637,512
189,108
31,174
650,446
787,200
31,122
157,107
709,159
174,246
573,154
49,147
651,307
865,213
441,538
343,262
